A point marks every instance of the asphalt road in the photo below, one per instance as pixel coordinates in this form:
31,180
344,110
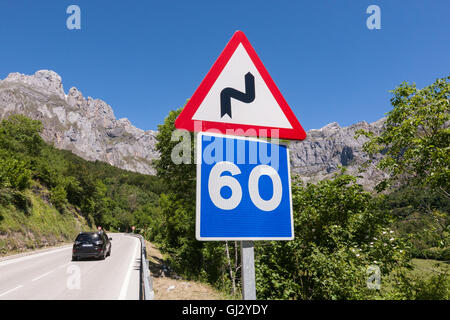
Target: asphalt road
51,275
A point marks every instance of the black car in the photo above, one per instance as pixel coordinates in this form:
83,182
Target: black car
91,245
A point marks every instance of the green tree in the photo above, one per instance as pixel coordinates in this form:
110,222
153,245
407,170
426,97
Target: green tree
415,139
14,174
20,134
179,178
339,233
421,215
192,258
106,195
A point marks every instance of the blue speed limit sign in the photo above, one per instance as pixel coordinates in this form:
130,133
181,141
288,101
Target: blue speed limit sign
243,189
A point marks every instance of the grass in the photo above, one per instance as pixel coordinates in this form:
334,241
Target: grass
427,280
42,226
172,287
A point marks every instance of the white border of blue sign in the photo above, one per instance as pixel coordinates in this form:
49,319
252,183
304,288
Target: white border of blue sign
198,196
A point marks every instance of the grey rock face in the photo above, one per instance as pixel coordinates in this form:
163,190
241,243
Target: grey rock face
46,80
324,150
87,127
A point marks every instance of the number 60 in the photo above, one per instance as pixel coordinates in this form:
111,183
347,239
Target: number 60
216,182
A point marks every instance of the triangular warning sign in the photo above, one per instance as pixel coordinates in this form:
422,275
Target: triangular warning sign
239,97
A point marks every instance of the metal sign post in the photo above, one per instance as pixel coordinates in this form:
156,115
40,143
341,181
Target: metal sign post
248,270
243,200
243,190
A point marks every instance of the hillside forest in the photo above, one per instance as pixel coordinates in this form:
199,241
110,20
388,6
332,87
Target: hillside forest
342,232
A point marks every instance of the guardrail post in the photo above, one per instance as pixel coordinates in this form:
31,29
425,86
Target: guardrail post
148,281
146,278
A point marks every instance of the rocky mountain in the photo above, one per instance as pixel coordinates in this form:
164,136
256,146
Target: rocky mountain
88,128
326,149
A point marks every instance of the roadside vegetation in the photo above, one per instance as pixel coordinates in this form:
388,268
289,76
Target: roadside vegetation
40,225
340,229
342,232
47,196
167,285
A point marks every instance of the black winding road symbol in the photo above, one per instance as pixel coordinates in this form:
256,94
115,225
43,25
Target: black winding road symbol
228,93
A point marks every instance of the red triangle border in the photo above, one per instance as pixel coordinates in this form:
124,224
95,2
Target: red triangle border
185,121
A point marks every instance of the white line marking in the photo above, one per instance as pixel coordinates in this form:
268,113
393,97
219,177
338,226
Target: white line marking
41,276
126,282
11,290
36,255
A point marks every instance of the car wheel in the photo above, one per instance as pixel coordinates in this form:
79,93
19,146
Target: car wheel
109,251
74,258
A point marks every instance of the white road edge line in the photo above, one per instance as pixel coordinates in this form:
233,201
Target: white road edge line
41,276
11,290
126,282
32,256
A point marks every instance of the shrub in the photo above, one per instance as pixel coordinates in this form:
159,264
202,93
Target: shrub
14,174
58,197
22,202
418,287
339,233
437,253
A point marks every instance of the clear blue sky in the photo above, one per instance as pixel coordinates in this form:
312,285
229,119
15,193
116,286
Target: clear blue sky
145,58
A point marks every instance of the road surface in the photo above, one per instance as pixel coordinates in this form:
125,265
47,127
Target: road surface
51,275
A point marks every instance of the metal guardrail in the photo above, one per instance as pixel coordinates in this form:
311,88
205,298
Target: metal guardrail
146,292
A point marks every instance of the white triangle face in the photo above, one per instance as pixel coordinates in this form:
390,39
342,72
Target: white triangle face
262,111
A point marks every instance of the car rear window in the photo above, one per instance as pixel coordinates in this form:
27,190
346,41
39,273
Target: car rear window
86,237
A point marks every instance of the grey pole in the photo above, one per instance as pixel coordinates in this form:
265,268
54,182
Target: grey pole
248,270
